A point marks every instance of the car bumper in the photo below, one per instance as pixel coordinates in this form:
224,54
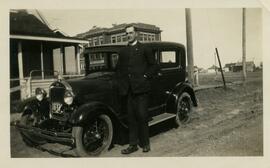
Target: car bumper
51,136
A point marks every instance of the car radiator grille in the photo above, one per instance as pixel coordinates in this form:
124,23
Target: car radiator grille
57,102
57,94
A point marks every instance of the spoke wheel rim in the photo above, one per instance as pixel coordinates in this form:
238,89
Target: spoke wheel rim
96,136
183,111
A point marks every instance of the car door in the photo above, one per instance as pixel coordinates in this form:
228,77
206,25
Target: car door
172,70
155,103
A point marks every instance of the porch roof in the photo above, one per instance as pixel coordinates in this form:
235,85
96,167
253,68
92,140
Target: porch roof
44,38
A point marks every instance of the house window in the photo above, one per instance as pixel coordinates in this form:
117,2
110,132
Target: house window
152,37
124,38
90,42
101,40
144,37
113,39
141,37
101,56
118,39
97,56
95,41
149,37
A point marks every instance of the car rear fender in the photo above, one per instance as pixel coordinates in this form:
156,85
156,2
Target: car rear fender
176,93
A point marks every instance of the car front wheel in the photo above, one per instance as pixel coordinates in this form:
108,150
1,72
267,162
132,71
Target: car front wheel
94,138
184,109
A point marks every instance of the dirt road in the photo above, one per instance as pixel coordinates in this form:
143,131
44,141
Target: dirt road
226,123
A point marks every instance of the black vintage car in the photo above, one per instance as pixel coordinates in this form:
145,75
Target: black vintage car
88,114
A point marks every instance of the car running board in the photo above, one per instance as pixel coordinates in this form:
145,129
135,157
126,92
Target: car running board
160,118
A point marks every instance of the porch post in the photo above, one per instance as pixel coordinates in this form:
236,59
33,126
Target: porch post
77,53
62,51
42,62
20,64
61,59
20,61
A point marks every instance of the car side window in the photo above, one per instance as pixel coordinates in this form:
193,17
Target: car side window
168,59
97,61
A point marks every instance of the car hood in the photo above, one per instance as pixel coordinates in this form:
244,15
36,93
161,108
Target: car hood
95,82
94,86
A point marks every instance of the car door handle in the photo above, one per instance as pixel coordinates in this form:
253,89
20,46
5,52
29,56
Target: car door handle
168,92
159,74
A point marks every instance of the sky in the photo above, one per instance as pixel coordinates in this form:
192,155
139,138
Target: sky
213,27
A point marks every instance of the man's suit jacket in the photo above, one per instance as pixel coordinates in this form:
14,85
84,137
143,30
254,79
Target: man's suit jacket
135,67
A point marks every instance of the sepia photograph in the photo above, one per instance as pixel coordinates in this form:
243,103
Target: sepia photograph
136,82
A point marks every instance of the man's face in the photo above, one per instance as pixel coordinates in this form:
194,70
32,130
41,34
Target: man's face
131,34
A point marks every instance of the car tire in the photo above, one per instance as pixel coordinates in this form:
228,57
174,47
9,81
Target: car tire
100,130
28,138
184,109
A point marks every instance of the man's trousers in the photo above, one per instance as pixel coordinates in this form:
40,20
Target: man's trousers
138,119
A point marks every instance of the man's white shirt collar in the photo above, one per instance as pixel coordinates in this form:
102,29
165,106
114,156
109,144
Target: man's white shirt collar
134,42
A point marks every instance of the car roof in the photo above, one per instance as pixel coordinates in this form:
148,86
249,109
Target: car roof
117,46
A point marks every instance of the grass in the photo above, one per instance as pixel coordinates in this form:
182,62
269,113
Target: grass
215,79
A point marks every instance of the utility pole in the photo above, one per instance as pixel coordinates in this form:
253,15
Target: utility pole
189,46
244,44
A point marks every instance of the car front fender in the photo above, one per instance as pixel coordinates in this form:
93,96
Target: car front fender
28,106
88,112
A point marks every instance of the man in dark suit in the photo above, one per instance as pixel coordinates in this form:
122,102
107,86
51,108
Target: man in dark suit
136,66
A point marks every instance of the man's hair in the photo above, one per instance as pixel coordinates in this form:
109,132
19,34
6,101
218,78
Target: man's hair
135,29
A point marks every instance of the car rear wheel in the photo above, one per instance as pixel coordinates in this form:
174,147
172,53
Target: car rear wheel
184,109
28,138
95,138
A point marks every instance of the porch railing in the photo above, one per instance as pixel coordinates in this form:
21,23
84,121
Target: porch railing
27,86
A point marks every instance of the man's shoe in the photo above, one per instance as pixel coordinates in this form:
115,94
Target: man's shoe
130,149
146,148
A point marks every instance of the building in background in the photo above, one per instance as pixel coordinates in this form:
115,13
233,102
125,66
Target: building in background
213,69
250,66
238,66
116,35
229,67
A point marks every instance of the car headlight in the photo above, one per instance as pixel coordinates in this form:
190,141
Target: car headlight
68,97
40,94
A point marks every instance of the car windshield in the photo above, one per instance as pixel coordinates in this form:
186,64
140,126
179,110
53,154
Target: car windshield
101,61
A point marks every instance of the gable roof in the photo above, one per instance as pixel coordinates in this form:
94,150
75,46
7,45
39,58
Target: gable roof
23,23
26,24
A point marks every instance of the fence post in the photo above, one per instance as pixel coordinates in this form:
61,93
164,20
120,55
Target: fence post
221,70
